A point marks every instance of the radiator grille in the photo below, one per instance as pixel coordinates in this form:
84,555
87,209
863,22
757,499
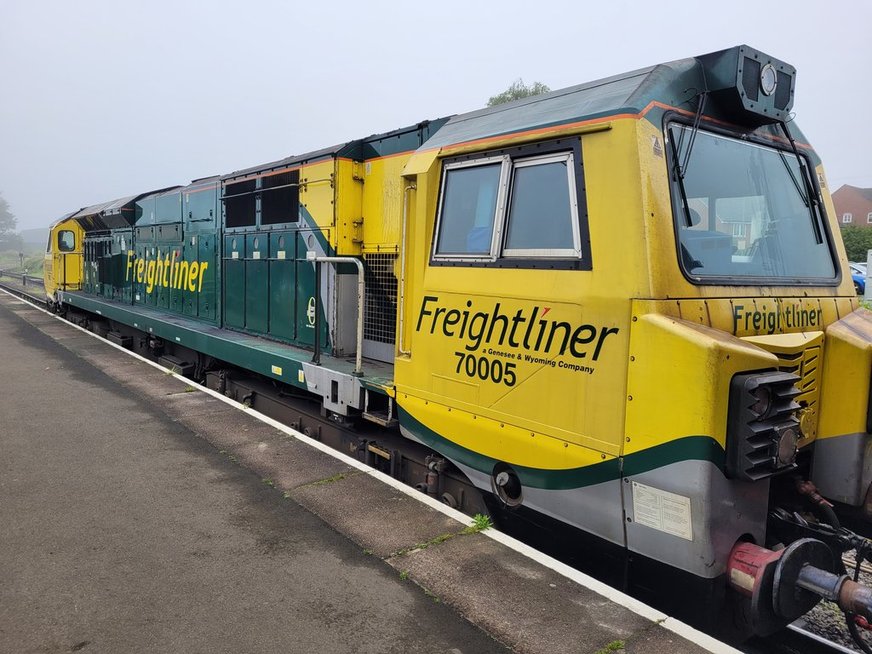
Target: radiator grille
806,363
380,309
806,366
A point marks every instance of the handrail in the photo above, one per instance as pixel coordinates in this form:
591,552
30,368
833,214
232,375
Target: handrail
312,256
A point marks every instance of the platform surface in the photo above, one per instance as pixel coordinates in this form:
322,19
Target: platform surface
141,515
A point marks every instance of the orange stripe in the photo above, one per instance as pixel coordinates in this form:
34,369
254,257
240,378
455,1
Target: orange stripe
539,130
200,190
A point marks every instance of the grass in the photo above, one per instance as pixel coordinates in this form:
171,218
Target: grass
614,646
339,476
32,263
480,523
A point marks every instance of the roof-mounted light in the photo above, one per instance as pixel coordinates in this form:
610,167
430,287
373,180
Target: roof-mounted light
768,79
748,85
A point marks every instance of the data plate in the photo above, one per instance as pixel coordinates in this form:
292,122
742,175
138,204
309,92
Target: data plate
662,510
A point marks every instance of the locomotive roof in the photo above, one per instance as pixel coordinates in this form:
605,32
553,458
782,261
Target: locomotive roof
673,84
287,162
626,93
104,207
404,139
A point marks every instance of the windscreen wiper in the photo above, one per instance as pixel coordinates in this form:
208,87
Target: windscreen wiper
802,194
679,170
813,200
678,178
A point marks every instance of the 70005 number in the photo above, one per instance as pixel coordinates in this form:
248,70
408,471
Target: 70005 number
486,369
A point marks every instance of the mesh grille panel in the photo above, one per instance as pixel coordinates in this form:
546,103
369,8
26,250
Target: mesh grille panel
380,311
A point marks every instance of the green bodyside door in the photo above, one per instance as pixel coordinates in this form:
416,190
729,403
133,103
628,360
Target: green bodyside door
256,283
234,281
282,285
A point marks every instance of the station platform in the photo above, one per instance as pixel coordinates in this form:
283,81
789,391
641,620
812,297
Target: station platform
144,513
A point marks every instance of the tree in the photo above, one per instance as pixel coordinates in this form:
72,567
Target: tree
857,240
8,238
516,91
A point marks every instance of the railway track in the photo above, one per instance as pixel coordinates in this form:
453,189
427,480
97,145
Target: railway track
378,451
24,283
795,639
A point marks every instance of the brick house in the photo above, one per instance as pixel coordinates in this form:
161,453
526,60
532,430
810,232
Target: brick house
853,206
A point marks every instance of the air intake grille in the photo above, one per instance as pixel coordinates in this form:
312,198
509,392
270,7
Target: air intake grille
782,91
751,78
380,311
806,366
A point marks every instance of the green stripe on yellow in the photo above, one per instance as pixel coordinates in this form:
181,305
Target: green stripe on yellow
697,448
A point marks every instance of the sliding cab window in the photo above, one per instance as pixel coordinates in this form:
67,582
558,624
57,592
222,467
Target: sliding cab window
509,208
542,218
472,197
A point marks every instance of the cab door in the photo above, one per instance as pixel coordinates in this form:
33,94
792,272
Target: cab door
67,265
63,259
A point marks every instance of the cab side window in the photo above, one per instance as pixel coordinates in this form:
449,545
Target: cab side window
66,241
542,217
514,208
470,198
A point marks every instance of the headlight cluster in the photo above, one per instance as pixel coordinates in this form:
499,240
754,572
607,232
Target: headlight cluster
762,425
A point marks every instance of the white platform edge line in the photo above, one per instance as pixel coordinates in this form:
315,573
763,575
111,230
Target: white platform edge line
640,608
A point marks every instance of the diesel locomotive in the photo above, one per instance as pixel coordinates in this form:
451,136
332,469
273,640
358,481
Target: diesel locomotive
618,309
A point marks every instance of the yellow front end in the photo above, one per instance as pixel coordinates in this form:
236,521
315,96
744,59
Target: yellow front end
600,393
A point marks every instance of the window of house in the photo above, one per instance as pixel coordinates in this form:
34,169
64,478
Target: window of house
847,218
509,207
740,230
869,217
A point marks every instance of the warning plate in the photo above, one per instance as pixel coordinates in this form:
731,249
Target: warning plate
662,510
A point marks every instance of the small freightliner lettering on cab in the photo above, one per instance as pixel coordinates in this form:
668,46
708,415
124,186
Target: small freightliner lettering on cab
525,328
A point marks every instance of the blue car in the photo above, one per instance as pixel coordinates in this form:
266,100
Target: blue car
858,274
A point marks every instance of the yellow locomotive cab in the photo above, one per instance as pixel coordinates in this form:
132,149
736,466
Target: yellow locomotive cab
64,262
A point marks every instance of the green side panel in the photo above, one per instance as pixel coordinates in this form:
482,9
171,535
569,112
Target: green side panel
86,272
118,260
177,295
233,300
138,287
125,276
256,283
145,212
305,297
168,208
162,273
243,350
282,283
304,291
150,299
199,209
207,248
191,301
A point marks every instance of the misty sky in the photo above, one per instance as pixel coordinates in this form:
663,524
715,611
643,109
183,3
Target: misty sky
101,99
